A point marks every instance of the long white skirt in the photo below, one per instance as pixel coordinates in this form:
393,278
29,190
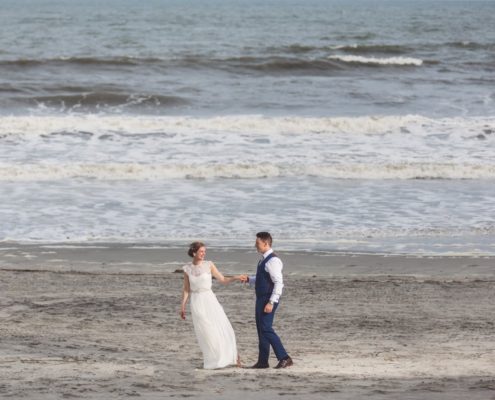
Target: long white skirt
213,330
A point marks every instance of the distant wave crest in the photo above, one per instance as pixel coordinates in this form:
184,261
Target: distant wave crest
370,48
285,60
398,61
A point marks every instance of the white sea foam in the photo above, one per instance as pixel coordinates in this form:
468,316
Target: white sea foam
378,61
150,147
242,124
130,178
134,171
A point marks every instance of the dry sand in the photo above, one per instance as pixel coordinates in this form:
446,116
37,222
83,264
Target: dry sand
102,323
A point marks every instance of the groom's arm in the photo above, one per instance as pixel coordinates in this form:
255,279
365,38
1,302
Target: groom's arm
274,268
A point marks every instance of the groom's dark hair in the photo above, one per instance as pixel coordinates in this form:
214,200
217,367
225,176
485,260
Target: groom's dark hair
265,236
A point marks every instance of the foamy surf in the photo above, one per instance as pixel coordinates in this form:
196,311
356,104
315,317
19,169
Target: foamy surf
33,125
135,171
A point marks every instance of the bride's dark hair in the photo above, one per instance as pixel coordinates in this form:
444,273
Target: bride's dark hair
194,247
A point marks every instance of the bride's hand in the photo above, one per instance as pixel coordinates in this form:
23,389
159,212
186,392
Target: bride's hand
243,278
183,314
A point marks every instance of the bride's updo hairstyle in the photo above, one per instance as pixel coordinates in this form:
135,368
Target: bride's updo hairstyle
194,247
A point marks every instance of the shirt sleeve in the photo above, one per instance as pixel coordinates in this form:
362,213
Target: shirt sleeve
274,268
252,280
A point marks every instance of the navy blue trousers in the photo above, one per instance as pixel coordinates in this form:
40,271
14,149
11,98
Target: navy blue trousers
266,335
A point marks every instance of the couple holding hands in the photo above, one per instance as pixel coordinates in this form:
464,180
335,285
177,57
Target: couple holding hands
213,330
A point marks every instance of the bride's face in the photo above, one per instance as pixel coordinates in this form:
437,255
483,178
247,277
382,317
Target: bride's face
200,254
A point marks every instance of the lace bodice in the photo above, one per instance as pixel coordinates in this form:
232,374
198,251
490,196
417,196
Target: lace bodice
196,270
199,276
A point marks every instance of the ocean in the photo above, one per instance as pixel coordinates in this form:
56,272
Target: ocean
346,126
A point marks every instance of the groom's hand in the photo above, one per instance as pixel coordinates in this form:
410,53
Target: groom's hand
268,308
244,278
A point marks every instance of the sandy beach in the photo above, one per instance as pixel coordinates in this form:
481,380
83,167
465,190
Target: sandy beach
101,322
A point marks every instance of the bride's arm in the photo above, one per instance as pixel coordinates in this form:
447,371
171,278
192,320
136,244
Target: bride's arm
185,295
222,279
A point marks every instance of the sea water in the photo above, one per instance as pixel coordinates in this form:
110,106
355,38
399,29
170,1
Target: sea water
337,125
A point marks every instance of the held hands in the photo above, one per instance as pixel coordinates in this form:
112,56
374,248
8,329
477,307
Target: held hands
240,278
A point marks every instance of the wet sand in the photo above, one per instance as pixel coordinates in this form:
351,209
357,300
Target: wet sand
101,322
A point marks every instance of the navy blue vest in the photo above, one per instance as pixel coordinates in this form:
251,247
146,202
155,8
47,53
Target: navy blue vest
264,284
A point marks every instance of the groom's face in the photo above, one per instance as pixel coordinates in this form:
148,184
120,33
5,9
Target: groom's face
261,245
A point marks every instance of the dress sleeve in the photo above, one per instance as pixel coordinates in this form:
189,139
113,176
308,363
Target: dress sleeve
186,269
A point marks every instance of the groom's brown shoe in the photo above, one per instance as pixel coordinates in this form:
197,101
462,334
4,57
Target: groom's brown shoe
286,362
259,365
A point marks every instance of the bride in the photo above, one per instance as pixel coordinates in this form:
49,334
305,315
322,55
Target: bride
213,330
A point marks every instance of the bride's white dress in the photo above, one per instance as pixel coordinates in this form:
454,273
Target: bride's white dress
213,330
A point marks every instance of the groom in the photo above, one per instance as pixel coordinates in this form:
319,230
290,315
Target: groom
268,283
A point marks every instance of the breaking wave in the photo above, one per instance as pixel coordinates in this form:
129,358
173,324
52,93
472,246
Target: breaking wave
394,61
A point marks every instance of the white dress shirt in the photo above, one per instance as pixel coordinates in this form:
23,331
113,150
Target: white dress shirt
274,267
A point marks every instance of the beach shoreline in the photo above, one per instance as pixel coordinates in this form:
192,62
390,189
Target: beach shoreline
154,257
102,321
